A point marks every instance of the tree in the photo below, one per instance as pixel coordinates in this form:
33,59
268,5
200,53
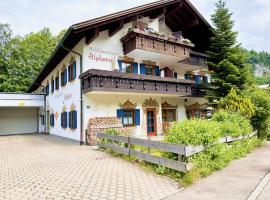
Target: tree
5,37
230,69
25,57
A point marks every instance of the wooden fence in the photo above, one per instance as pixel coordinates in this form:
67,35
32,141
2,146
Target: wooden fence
179,149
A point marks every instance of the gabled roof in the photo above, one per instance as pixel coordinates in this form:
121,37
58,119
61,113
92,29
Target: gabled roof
180,15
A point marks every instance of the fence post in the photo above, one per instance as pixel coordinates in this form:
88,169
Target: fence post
128,146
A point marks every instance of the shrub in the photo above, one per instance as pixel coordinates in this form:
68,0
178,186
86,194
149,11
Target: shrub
234,103
194,132
260,121
232,124
112,131
219,156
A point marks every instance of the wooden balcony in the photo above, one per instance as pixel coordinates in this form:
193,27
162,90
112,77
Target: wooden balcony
196,59
143,40
112,81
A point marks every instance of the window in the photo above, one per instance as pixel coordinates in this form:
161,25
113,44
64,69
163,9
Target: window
168,115
72,71
47,89
128,117
57,83
52,86
127,67
42,117
73,119
64,77
52,120
175,75
64,119
149,70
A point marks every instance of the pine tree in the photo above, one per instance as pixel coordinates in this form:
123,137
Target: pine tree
228,62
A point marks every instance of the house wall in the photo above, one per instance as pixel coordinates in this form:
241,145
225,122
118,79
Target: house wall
65,97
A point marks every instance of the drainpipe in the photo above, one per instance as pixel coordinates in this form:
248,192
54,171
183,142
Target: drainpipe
81,93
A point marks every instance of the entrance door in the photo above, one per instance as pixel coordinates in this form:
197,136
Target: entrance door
151,122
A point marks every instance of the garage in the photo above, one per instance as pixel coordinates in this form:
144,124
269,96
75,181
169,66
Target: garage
19,113
18,121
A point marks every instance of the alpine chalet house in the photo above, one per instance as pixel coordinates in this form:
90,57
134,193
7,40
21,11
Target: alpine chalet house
137,70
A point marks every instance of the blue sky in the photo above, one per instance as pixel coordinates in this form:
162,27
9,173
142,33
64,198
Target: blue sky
252,18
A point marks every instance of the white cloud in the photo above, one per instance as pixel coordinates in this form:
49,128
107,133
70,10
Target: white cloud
252,18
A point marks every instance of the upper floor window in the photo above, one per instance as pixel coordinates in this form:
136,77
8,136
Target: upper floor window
52,86
150,70
64,77
72,71
47,89
57,82
127,67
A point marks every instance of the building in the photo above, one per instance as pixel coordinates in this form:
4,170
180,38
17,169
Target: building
137,70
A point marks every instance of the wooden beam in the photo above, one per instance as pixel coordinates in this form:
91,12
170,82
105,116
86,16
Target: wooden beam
116,27
190,24
91,35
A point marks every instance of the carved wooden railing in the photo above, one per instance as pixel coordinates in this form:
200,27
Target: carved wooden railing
100,80
137,39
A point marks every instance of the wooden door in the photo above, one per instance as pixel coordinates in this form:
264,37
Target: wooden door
151,122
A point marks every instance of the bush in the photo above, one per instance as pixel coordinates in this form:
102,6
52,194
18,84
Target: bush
219,156
112,131
234,103
232,124
261,118
194,132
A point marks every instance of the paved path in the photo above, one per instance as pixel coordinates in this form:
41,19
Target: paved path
45,167
236,182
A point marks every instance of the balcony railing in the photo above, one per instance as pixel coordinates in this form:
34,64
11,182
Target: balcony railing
101,80
143,40
198,59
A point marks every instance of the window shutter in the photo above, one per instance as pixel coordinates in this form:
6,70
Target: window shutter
205,79
52,120
69,73
135,68
120,114
142,68
120,65
187,77
69,120
137,117
74,70
74,119
197,79
157,70
65,76
65,119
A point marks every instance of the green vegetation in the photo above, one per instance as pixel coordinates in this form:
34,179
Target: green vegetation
236,103
21,58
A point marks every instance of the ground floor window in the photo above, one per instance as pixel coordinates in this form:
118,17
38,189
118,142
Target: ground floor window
128,117
168,115
64,119
73,119
52,120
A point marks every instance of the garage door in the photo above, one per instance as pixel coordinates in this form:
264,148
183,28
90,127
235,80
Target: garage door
18,120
